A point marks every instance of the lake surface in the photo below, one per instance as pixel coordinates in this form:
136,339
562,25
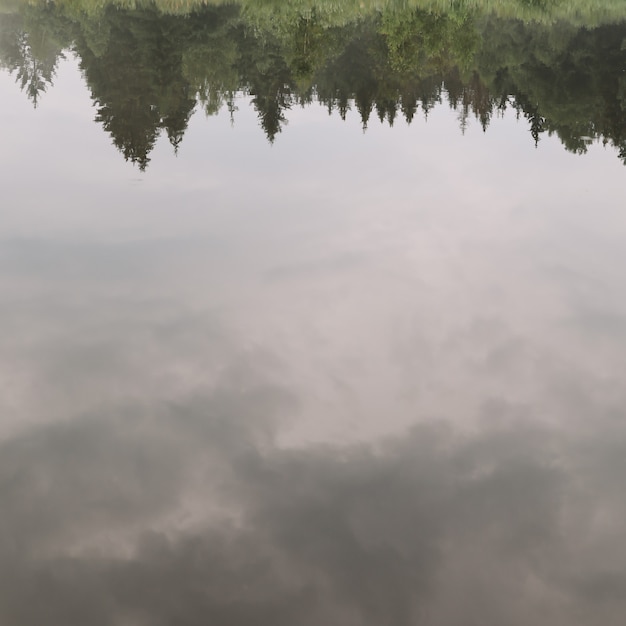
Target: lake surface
312,315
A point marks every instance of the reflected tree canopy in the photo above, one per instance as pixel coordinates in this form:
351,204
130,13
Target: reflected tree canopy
149,66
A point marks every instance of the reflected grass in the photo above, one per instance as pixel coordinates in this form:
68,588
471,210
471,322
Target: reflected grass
589,12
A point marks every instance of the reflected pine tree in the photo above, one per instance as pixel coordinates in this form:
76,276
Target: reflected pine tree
31,45
211,57
266,76
137,80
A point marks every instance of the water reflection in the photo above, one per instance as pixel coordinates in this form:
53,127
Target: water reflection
322,382
148,70
191,514
144,474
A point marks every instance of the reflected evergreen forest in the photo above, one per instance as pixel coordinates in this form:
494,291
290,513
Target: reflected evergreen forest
150,66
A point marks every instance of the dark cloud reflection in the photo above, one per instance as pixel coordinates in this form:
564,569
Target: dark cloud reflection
192,514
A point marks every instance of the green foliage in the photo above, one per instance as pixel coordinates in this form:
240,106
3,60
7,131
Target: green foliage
31,44
148,65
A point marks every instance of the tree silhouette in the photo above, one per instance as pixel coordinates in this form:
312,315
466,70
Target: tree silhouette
31,45
148,69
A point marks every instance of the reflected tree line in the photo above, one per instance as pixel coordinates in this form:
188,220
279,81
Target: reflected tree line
149,69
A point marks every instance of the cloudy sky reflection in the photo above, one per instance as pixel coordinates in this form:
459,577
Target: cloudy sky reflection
375,381
191,513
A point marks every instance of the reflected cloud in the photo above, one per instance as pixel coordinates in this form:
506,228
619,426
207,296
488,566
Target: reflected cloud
192,513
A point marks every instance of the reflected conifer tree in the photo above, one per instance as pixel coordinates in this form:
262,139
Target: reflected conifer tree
211,55
268,79
33,73
31,45
137,81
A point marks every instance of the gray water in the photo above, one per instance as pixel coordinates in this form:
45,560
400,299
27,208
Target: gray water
342,378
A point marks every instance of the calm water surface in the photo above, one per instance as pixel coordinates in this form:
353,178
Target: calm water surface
340,377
